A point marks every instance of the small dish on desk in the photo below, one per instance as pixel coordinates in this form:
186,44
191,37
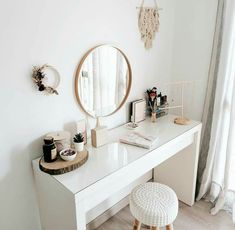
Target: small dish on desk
132,125
68,154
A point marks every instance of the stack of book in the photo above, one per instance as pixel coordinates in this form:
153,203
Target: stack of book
138,110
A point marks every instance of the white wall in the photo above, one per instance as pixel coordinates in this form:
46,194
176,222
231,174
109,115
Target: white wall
193,36
59,32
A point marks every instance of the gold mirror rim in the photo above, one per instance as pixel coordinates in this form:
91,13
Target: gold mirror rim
77,74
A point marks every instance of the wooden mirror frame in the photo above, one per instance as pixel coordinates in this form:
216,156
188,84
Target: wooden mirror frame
78,73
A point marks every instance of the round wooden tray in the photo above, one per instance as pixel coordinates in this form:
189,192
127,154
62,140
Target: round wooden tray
60,166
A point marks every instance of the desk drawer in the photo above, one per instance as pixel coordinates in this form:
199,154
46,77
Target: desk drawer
170,149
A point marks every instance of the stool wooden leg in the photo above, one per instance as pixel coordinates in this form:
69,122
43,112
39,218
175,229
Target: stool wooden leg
146,226
155,228
137,225
169,227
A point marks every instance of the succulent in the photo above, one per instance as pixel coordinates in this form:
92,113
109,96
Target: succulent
78,138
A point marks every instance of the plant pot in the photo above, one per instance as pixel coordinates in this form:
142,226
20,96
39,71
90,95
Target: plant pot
79,146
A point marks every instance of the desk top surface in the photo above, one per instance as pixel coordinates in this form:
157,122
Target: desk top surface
107,159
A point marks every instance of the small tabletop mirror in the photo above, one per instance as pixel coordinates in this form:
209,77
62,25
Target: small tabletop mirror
103,81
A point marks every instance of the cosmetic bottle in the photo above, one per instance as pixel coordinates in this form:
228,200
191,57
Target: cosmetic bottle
49,150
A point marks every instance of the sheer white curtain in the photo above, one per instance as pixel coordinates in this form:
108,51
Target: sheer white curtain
121,78
218,180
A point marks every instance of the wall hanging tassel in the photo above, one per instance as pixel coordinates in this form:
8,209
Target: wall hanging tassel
148,23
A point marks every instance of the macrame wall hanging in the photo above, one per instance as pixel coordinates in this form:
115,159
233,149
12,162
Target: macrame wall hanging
148,23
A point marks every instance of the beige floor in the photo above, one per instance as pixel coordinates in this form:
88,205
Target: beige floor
189,218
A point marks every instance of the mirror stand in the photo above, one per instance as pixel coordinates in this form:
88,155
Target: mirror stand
99,135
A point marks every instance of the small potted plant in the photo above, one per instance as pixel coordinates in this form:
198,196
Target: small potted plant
78,142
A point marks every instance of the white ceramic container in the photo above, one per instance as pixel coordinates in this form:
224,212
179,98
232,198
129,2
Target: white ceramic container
79,146
68,157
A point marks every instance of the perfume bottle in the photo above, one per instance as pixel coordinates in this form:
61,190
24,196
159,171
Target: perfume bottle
49,150
159,99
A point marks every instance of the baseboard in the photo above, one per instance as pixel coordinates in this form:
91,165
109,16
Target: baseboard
108,214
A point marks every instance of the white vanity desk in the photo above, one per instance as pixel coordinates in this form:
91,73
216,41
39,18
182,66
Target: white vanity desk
65,199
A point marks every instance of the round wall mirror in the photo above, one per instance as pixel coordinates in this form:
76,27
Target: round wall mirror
103,81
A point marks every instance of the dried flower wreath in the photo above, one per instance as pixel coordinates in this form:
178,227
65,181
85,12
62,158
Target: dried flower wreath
39,77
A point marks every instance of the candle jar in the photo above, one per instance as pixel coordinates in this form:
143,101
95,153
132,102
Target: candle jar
153,116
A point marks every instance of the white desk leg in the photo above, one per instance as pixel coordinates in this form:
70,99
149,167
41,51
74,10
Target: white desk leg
180,171
81,218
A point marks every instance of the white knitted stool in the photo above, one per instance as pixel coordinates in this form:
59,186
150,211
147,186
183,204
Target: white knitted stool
154,205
